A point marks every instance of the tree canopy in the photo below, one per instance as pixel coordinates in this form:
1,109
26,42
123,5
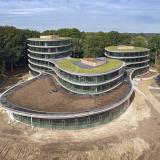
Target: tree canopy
13,43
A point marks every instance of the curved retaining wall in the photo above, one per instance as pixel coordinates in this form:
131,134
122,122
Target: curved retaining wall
70,120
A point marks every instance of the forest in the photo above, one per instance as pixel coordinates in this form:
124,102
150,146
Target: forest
13,44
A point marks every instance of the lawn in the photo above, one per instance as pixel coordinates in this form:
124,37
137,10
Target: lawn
116,49
68,65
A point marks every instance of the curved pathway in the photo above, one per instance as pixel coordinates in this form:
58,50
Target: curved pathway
143,88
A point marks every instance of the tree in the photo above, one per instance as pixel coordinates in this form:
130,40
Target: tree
75,34
157,62
114,38
2,63
48,32
154,45
13,47
139,41
94,44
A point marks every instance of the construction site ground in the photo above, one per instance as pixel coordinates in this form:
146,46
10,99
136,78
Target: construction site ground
135,135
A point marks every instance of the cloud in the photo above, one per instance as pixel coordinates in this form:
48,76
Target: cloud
27,11
91,15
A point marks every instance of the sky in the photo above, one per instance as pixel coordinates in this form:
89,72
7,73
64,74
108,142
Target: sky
86,15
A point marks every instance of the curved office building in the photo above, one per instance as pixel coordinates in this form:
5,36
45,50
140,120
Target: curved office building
85,76
135,57
70,93
82,76
44,50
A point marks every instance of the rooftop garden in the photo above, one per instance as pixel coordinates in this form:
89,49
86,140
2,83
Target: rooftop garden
68,64
134,49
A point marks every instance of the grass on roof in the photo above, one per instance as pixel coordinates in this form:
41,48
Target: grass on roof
116,49
68,65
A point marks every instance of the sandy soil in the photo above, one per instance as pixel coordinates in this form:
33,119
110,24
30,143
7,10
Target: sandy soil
133,136
149,74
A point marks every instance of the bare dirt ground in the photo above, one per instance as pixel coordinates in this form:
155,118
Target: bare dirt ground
37,95
133,136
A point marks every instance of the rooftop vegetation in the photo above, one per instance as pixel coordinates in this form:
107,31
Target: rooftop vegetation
116,49
69,65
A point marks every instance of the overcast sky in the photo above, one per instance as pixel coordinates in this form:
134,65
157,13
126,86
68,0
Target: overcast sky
87,15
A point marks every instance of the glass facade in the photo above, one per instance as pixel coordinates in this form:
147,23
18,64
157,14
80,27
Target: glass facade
76,123
39,62
133,60
90,79
131,54
50,43
49,50
51,55
91,89
137,65
107,81
89,120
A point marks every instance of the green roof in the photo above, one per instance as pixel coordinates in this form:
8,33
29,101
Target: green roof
116,49
69,65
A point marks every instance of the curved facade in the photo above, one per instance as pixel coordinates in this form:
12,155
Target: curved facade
42,50
47,55
90,83
77,120
74,120
134,57
46,52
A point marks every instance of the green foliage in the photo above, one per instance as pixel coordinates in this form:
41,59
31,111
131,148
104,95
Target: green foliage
157,61
94,44
13,47
75,34
13,43
48,32
154,45
139,41
68,64
136,49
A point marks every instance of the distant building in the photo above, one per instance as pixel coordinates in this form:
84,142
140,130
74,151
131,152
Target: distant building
135,57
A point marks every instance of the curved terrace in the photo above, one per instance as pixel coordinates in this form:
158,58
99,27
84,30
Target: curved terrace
73,65
39,96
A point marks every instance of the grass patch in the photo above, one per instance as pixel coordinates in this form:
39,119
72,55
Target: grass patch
68,65
116,49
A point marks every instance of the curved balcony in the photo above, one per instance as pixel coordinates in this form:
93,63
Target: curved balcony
91,90
97,82
49,53
125,57
138,62
64,45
